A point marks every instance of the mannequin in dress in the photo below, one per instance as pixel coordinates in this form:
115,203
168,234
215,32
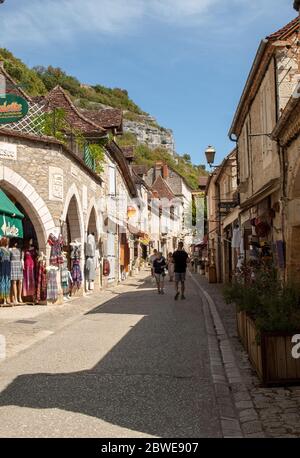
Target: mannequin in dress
29,282
5,266
16,272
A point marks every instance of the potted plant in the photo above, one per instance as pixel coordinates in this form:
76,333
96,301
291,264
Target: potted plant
268,316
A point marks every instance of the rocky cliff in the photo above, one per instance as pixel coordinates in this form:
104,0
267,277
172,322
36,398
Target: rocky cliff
147,131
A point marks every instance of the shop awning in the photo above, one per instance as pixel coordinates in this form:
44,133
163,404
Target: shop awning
10,218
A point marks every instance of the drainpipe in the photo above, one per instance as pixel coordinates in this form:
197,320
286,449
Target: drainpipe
219,232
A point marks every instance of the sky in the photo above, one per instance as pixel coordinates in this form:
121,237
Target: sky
183,61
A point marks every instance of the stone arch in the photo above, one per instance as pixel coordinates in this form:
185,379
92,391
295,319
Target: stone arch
73,211
32,203
93,221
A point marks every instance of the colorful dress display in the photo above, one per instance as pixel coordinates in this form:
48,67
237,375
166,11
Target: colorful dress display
56,243
41,292
52,288
5,269
16,264
66,279
29,282
76,269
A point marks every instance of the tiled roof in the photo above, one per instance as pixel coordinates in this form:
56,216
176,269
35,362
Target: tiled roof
161,187
140,169
108,119
57,98
203,181
280,34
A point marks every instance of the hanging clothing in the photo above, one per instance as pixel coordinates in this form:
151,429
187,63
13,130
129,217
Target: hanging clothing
5,269
90,269
66,280
76,274
16,264
29,283
52,288
236,238
91,246
41,281
56,243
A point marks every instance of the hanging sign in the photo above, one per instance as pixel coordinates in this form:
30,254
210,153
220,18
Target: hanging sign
10,227
12,108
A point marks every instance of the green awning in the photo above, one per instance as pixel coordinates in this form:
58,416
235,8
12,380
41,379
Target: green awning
10,218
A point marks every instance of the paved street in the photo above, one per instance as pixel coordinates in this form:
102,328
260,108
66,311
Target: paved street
137,365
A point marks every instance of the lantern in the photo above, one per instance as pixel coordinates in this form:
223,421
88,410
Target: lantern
131,211
210,155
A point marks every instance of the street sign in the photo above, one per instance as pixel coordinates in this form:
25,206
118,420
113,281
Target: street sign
12,108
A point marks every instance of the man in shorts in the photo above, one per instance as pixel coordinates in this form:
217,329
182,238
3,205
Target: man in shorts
159,266
181,259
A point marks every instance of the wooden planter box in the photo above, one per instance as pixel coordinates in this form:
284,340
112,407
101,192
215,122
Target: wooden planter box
270,354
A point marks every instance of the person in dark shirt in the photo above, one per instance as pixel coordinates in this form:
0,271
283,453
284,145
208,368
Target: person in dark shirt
159,266
181,259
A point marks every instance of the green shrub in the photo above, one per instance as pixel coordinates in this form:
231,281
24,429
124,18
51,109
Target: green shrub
272,305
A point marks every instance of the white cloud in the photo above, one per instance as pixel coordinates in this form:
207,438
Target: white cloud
40,21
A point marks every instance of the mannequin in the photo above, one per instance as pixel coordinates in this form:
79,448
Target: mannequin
16,272
66,278
90,265
5,268
76,270
30,256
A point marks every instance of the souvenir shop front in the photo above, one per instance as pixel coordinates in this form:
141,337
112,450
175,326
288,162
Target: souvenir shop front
253,237
27,276
22,266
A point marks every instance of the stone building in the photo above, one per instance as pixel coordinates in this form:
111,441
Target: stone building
270,85
176,195
58,188
223,217
287,133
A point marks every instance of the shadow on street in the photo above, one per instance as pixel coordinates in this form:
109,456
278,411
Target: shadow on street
155,380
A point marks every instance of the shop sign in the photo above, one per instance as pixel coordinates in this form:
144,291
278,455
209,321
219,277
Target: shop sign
12,108
10,227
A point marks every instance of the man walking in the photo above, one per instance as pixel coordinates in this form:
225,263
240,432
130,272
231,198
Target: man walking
159,266
181,259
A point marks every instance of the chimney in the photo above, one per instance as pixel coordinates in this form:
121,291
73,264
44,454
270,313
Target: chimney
165,171
158,169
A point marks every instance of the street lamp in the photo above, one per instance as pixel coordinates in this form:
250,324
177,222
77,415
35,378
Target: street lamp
210,153
297,5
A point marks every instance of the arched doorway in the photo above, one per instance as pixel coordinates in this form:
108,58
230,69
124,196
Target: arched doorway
72,232
93,274
39,222
37,225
